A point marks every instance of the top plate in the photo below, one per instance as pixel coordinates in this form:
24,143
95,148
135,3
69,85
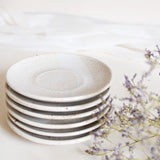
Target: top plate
59,77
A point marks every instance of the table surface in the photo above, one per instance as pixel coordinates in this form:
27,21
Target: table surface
119,46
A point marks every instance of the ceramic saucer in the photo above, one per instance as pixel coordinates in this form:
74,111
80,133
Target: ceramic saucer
59,77
48,139
55,124
57,107
57,133
56,115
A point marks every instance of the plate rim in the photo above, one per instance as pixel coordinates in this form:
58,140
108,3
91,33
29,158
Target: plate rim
32,138
19,108
20,117
57,134
44,107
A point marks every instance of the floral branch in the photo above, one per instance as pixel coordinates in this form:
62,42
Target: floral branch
136,121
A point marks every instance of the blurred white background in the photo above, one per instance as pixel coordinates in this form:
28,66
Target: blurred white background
124,11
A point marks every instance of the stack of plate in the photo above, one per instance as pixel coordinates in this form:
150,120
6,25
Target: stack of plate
57,98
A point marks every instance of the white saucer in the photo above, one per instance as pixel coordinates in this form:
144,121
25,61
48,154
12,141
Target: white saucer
56,133
56,107
55,124
55,115
59,77
47,139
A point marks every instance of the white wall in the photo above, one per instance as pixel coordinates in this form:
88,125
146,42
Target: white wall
125,11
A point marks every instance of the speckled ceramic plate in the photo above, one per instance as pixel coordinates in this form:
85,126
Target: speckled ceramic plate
57,107
59,77
56,115
55,124
57,132
48,139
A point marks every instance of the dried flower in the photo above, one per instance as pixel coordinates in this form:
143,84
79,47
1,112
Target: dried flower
136,123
